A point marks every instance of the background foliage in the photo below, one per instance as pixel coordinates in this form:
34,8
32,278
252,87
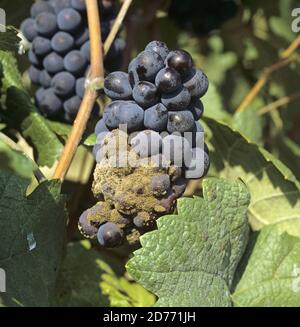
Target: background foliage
254,175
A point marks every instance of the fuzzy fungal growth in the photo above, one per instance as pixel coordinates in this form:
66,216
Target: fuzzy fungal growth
149,144
60,53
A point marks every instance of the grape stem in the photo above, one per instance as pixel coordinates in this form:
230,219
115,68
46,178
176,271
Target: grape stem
40,177
117,24
278,103
286,59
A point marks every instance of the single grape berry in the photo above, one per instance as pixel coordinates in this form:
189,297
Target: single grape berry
85,50
168,80
177,100
69,20
158,47
41,46
145,67
28,29
53,63
40,6
124,112
75,63
80,87
196,82
145,94
45,79
110,235
78,5
34,60
196,108
34,75
180,121
101,127
62,42
71,106
156,118
117,86
63,84
49,103
45,24
181,61
85,226
59,5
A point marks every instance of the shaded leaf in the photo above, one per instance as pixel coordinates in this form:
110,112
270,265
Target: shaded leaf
14,161
272,276
32,235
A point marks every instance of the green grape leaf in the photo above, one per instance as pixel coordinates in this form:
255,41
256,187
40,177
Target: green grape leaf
63,130
14,161
272,275
91,278
22,114
273,187
9,40
192,257
32,237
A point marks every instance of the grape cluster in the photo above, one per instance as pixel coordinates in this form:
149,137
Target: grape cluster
60,53
149,144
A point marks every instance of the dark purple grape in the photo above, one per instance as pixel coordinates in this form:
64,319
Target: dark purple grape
28,29
34,60
63,84
69,20
45,24
85,50
196,82
53,63
196,108
168,80
110,235
158,47
181,61
41,46
117,86
156,118
45,79
85,226
78,5
62,42
80,87
145,94
160,185
49,104
39,7
180,121
75,63
34,75
177,100
72,105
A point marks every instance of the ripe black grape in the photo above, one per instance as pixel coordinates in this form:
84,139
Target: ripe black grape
49,103
53,63
63,84
75,63
34,75
145,94
110,235
41,46
62,42
69,20
39,7
45,24
28,29
181,61
117,86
